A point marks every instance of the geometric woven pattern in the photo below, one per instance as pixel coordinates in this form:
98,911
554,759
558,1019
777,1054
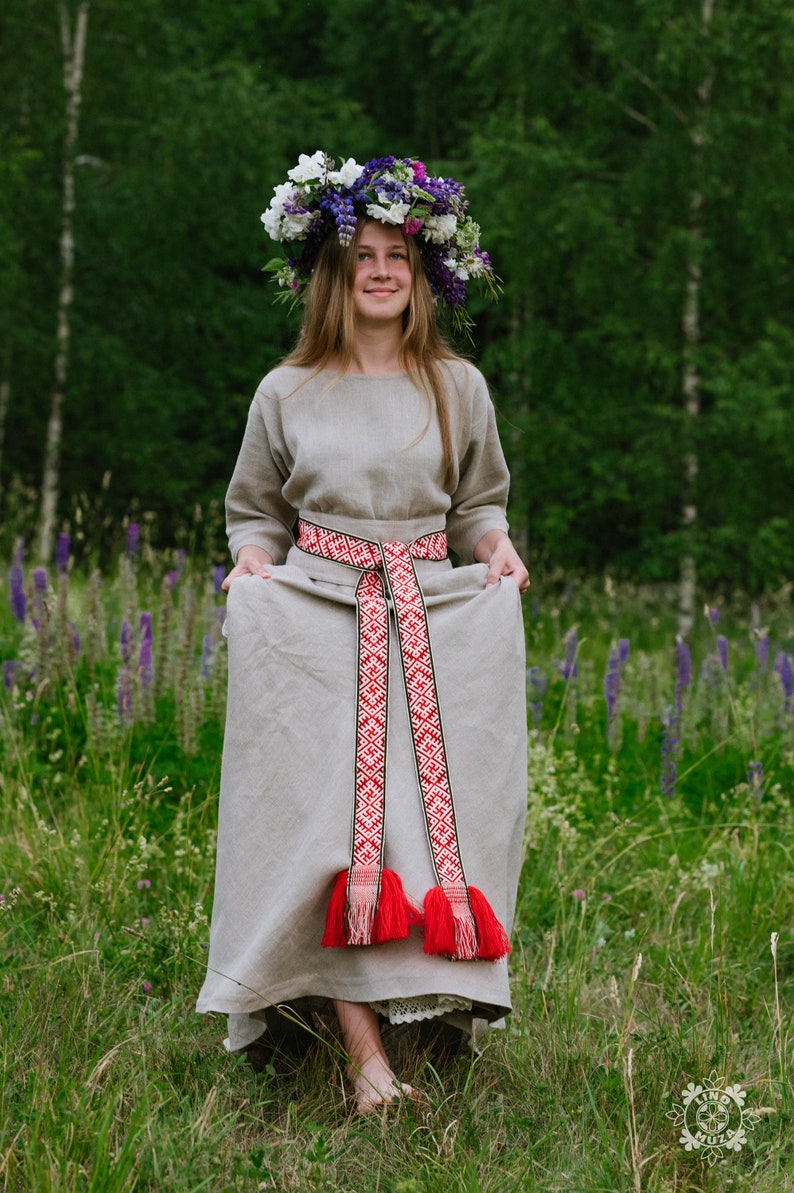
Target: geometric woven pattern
392,563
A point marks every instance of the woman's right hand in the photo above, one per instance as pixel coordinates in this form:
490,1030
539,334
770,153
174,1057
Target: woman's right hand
251,561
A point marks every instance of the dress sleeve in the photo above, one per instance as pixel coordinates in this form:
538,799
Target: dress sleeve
256,512
480,498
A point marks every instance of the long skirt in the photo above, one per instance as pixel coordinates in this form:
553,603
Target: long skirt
287,786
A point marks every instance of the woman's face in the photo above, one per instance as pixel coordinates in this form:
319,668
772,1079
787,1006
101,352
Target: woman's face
382,281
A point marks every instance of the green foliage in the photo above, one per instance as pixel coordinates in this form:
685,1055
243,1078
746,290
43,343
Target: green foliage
641,961
583,137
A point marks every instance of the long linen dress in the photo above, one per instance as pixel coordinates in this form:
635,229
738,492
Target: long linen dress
361,455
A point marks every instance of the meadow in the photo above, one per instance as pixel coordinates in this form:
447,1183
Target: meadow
653,957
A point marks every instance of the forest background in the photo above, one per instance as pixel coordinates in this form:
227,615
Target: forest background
630,165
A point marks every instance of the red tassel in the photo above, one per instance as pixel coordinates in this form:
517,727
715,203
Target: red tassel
439,924
334,936
395,914
492,940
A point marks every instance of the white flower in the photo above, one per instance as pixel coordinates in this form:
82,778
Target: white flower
439,228
295,225
308,167
347,174
395,213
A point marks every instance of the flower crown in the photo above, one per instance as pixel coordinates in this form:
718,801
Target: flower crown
397,192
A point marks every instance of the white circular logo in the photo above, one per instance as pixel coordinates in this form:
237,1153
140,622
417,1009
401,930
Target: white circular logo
713,1118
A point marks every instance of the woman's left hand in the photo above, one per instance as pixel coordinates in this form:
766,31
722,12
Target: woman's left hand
496,549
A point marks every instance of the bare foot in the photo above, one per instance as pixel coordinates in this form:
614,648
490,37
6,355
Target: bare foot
376,1086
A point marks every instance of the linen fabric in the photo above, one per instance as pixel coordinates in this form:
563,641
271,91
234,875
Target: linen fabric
362,455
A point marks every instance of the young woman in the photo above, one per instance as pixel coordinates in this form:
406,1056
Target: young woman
374,772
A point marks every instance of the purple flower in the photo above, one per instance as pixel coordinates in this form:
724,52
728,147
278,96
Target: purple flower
133,540
783,668
755,776
124,695
147,987
126,642
19,552
218,576
762,651
624,649
722,651
62,551
207,651
145,667
612,683
171,579
11,668
40,581
144,884
579,894
714,616
17,593
669,748
536,691
567,667
76,642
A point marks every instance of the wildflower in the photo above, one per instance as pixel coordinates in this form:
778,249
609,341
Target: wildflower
11,668
218,576
147,987
145,668
722,651
144,921
208,650
62,552
783,668
124,695
761,649
144,884
579,894
713,616
171,579
17,593
39,581
567,667
19,552
755,776
126,642
133,540
536,690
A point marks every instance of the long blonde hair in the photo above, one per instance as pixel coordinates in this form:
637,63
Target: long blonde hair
328,331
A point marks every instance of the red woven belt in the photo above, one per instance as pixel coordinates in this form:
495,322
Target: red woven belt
368,904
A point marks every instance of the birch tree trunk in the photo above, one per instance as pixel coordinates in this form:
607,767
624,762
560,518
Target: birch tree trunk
691,380
73,50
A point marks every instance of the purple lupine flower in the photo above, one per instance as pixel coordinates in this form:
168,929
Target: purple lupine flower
783,668
126,641
218,576
171,579
76,642
17,593
145,667
536,691
19,552
612,683
11,668
133,540
755,776
722,651
714,616
62,551
624,650
207,651
39,581
124,695
568,667
762,651
669,748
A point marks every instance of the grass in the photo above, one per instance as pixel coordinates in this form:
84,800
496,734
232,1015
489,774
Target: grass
642,954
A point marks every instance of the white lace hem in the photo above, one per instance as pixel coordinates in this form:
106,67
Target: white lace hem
423,1006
